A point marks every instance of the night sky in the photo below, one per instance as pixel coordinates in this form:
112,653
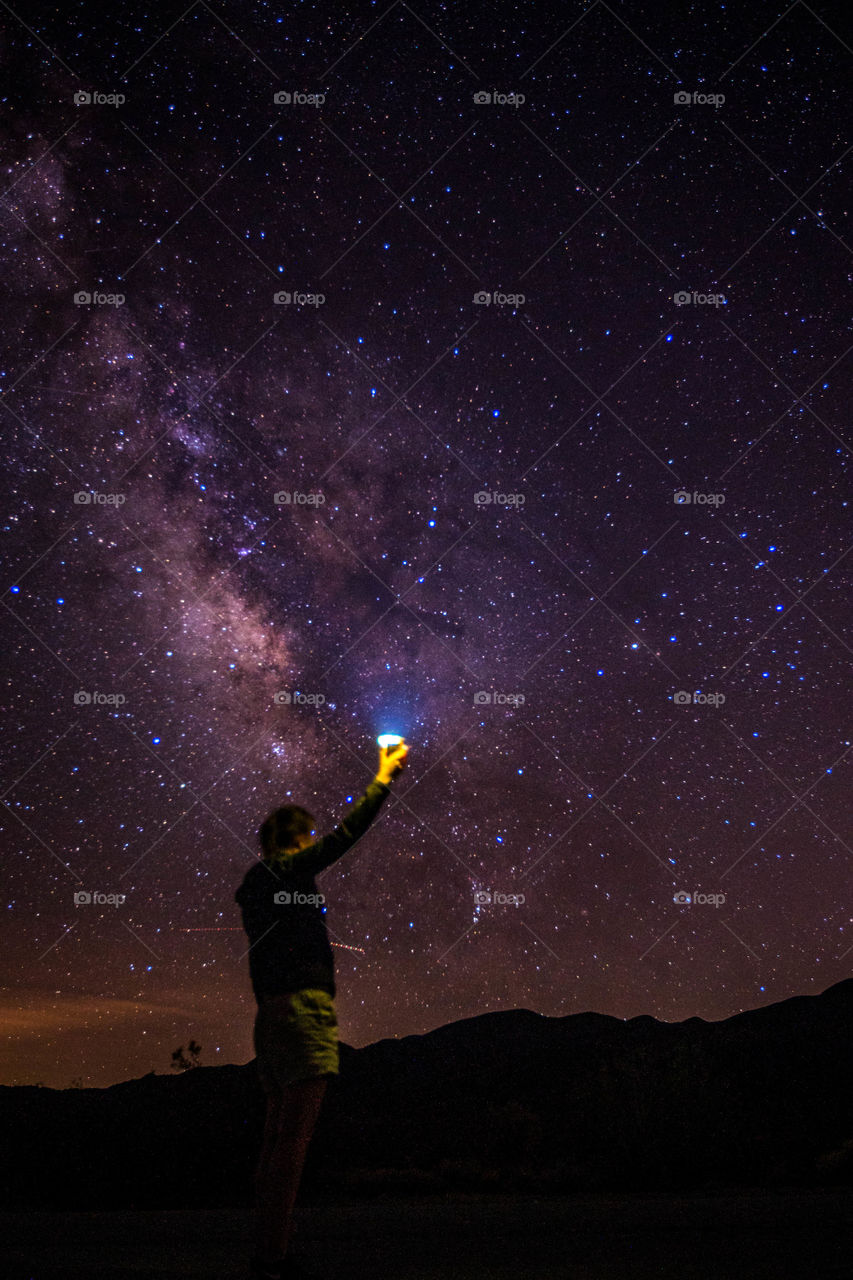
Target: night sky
667,680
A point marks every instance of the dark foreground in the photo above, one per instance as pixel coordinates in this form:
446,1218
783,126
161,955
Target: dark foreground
751,1235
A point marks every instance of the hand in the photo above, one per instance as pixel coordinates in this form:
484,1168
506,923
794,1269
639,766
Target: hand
391,761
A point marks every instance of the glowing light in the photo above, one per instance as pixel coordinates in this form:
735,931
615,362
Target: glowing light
389,739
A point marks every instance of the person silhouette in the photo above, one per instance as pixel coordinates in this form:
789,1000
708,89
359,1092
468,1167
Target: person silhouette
291,969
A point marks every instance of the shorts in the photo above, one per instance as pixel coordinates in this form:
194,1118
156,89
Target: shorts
296,1038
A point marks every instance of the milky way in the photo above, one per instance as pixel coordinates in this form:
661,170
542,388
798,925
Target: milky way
518,426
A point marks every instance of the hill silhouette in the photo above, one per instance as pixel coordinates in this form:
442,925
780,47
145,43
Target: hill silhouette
510,1100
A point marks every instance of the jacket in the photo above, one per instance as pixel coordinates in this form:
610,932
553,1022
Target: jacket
289,946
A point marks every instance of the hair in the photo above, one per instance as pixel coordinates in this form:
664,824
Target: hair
283,828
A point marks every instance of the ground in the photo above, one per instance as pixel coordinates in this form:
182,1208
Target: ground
751,1235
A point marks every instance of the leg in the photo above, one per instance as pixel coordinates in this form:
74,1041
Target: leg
290,1121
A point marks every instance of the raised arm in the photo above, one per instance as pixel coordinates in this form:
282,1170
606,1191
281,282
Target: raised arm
316,857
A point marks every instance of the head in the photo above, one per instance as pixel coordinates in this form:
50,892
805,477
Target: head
287,828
